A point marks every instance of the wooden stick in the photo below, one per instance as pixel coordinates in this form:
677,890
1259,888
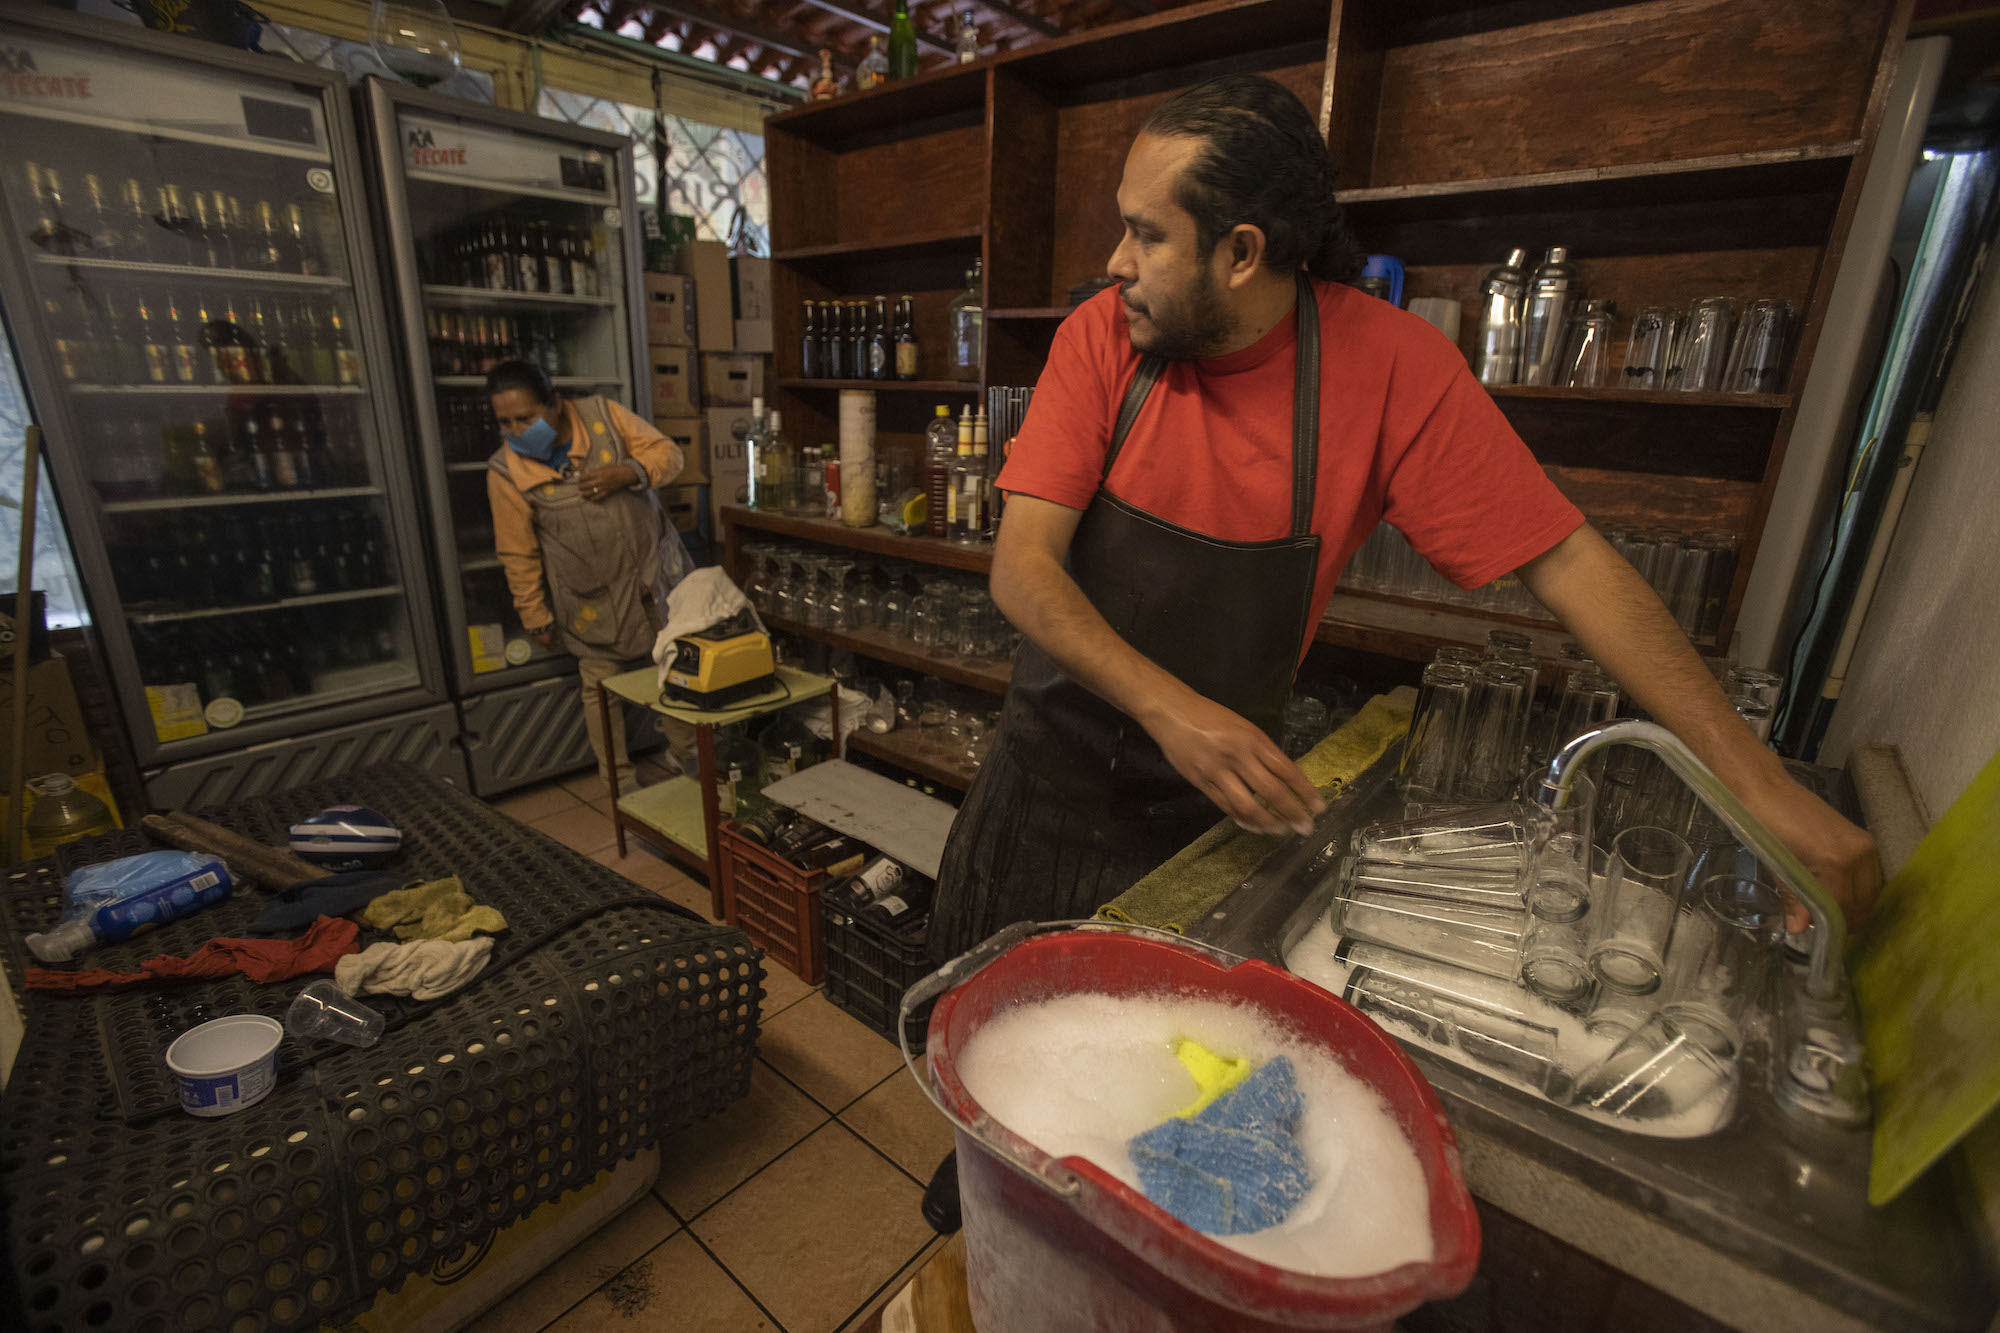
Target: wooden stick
267,865
24,602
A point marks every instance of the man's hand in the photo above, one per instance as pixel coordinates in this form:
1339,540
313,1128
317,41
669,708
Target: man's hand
1235,765
1841,855
601,483
544,634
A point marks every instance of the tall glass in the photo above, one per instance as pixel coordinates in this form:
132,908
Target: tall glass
1499,714
1703,352
1757,360
1432,750
1650,348
1638,909
1726,949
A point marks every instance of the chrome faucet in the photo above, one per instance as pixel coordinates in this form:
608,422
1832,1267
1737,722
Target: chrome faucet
1829,936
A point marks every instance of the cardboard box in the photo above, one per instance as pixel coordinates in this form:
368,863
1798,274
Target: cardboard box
57,739
669,310
714,296
731,377
674,391
729,486
683,505
753,290
690,435
726,429
754,335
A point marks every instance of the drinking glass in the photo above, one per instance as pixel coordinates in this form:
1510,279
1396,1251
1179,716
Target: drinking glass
1586,360
1703,350
1454,1011
1763,686
1636,912
1664,1067
1503,836
1725,954
813,591
1554,946
1757,360
1513,640
1458,655
1432,753
1650,348
759,587
866,608
1721,573
790,593
906,703
896,603
1304,725
1486,940
1469,883
839,601
1493,749
1589,700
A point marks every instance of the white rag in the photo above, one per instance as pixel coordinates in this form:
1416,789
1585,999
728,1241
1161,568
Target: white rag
421,969
705,597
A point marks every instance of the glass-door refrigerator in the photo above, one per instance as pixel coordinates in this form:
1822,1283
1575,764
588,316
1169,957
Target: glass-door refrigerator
510,236
187,277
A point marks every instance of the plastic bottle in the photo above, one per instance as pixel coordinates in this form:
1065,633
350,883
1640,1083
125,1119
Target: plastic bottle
181,896
63,812
940,454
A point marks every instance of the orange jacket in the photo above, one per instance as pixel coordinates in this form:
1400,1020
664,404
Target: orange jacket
514,539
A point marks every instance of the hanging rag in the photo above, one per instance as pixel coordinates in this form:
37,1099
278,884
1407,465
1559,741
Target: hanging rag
440,909
704,598
1186,887
422,969
329,895
263,961
1235,1167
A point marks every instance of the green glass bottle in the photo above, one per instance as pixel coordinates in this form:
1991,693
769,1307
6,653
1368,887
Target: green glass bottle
902,43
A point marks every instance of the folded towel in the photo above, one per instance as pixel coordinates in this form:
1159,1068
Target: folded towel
1235,1167
438,910
422,970
1185,888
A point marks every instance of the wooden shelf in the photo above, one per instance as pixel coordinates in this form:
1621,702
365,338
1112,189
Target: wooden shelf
1117,53
906,386
924,753
1056,312
1772,402
941,242
883,646
1415,632
977,559
951,90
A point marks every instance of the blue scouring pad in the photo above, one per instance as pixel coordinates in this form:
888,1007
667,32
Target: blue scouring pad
1235,1167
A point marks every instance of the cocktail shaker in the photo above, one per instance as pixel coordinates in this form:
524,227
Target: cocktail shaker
1497,354
1551,296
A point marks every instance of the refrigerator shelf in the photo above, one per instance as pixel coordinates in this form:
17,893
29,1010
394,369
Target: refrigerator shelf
502,297
248,390
261,497
282,604
388,676
465,467
150,130
560,381
512,187
478,564
195,272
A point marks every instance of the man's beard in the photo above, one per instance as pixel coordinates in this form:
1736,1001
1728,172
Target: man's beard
1203,330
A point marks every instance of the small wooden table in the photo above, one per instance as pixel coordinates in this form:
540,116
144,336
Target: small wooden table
680,816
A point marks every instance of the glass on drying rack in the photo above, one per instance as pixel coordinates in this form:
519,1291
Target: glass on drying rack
1502,837
1486,1023
1375,908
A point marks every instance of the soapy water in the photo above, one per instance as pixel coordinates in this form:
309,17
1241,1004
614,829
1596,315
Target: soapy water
1578,1048
1080,1075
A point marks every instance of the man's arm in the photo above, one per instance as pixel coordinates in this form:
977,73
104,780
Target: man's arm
1226,757
1623,625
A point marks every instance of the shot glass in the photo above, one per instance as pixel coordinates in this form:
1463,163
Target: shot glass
1637,909
324,1012
1757,358
1433,751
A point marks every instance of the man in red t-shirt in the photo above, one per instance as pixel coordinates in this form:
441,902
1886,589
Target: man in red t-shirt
1208,445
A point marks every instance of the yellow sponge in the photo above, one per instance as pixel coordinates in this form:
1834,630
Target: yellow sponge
1213,1074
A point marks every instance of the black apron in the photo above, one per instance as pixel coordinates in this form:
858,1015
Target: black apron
1075,802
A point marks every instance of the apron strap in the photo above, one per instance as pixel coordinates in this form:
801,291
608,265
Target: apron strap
1305,409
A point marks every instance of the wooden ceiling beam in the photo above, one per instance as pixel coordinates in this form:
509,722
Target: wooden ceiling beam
770,38
878,23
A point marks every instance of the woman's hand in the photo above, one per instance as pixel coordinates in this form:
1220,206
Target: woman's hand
545,635
601,483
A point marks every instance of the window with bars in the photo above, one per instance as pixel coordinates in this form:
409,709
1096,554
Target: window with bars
714,175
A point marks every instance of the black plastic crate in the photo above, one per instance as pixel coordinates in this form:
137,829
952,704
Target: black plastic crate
868,971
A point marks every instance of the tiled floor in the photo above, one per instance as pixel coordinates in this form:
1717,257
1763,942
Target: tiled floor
796,1209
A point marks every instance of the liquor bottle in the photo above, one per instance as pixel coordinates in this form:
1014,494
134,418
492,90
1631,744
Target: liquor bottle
826,87
315,353
527,264
493,247
940,449
881,352
235,225
100,224
555,267
906,339
809,343
346,362
135,224
242,467
968,38
300,579
173,218
153,334
874,69
120,354
266,249
208,238
582,262
905,913
48,233
191,365
968,331
902,43
207,468
300,255
857,340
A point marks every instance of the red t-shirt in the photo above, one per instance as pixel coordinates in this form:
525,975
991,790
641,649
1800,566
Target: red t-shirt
1406,434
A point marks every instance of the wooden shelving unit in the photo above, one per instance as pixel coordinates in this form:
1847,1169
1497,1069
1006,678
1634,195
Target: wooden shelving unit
1460,129
976,558
924,753
979,673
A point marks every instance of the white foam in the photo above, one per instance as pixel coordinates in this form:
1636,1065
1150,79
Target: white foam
1082,1074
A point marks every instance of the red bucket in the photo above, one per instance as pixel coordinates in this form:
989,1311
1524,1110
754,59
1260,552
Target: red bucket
1058,1245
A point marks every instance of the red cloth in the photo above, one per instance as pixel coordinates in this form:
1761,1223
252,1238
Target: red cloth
330,939
1405,434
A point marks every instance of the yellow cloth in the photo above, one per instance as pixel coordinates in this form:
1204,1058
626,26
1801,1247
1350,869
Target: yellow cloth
438,910
1213,1074
1186,887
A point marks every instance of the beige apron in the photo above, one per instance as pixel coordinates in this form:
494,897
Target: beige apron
600,557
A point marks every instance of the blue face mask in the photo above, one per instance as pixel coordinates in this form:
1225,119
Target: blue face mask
539,443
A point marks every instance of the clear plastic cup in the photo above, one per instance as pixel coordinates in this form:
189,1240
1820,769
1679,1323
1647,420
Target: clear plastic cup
324,1012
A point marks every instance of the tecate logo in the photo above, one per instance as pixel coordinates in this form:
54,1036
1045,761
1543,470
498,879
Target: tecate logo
424,152
20,78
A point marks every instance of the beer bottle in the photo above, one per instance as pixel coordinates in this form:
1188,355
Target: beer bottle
859,341
256,454
177,459
228,210
135,231
881,352
280,447
266,251
101,223
184,354
148,480
185,247
527,265
122,356
556,275
67,334
302,254
154,332
206,239
315,352
906,339
52,231
499,264
346,362
300,578
809,344
246,360
280,349
202,462
582,267
833,323
260,584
